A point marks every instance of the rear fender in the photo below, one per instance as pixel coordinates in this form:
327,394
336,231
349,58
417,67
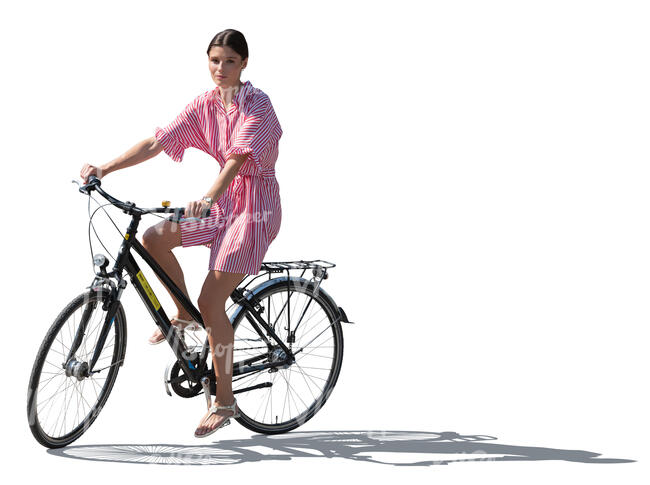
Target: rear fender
302,282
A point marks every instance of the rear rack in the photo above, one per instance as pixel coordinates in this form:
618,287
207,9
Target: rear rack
318,268
279,266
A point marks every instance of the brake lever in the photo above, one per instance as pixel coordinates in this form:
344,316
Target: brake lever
82,188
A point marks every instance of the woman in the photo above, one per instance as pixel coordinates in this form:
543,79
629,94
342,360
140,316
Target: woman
235,123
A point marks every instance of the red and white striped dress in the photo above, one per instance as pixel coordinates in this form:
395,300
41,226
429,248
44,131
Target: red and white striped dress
246,218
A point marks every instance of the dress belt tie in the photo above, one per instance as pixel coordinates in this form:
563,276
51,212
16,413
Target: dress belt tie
238,184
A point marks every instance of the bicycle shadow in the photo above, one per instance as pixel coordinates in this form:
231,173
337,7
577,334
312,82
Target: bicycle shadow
366,445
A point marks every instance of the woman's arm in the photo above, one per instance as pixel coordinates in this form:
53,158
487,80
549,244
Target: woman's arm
140,152
220,185
226,176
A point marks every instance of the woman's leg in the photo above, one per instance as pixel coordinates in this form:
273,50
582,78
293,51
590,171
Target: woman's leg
159,240
212,303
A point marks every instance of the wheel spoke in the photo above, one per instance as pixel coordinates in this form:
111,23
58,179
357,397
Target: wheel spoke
289,393
56,393
304,377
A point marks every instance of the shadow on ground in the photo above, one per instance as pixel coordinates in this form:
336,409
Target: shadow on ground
398,448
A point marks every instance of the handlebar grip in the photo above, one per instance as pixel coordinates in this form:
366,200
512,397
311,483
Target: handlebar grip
93,181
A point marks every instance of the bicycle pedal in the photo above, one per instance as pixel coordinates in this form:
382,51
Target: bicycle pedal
167,378
205,383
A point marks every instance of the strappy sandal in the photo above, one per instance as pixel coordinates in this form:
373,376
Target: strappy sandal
192,325
225,422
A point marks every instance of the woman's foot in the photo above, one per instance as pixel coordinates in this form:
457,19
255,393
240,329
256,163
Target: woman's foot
158,336
212,420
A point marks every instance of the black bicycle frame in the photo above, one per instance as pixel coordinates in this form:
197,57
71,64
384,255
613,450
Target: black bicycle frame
193,365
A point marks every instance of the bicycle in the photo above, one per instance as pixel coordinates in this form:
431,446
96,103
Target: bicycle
86,354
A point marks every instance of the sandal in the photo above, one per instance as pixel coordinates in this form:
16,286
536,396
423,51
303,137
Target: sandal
186,325
225,422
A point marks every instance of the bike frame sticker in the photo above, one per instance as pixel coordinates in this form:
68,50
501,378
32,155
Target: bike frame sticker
145,284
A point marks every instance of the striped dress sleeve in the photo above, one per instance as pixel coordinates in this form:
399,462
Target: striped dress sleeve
184,132
259,129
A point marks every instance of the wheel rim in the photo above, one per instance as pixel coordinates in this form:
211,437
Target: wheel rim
64,403
298,391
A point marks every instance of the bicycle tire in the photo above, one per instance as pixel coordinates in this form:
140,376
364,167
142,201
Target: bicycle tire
118,329
329,307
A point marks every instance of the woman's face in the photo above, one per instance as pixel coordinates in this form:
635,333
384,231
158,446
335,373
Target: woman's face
225,66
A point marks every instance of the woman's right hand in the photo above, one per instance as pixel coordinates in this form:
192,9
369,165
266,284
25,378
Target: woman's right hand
196,208
87,170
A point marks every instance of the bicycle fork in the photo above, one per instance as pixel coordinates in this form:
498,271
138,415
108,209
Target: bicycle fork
81,370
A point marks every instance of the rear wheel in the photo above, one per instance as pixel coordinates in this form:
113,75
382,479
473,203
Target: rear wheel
63,397
280,399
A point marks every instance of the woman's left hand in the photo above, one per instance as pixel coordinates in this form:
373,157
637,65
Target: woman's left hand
196,207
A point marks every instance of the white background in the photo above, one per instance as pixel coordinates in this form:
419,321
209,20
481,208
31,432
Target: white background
478,171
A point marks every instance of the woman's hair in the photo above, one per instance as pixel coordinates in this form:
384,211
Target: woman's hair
231,38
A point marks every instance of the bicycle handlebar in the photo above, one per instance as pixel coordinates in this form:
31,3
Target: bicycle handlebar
129,207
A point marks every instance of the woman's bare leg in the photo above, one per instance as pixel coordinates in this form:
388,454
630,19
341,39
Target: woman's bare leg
159,240
216,289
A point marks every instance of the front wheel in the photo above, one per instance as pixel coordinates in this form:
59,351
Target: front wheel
63,397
